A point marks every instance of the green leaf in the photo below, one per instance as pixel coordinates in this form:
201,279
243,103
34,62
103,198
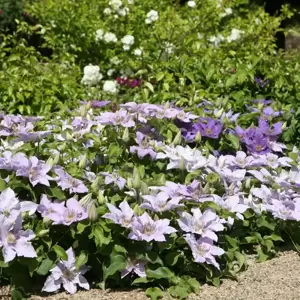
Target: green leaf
57,193
262,222
2,185
45,266
194,284
149,86
81,260
160,273
154,293
178,292
234,141
240,258
118,263
16,295
172,258
61,253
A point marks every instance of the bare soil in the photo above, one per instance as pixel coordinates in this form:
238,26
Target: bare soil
278,278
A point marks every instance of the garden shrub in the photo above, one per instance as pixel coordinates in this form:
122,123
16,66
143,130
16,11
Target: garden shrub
178,162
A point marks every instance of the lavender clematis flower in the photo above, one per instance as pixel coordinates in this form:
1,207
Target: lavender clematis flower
73,212
36,170
203,224
96,103
203,250
263,101
260,82
145,146
10,162
268,130
9,205
50,209
160,202
256,142
268,113
121,117
114,178
135,266
209,127
122,216
14,241
146,229
66,181
241,160
65,274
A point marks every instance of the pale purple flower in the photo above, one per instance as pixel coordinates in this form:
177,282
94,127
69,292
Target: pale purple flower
114,178
66,181
66,274
203,250
36,171
266,129
160,202
232,175
203,224
10,162
9,204
73,212
14,241
96,103
146,229
50,209
262,83
122,216
233,204
36,136
256,141
263,101
186,117
134,266
229,115
121,117
209,127
145,146
82,125
241,160
273,161
268,113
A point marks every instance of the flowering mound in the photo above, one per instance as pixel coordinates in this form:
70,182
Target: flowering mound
147,195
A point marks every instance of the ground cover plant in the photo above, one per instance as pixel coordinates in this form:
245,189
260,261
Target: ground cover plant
156,147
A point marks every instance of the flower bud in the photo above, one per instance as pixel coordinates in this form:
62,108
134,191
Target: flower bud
69,137
162,179
167,105
283,127
92,212
42,232
47,221
144,189
248,183
125,136
95,184
198,137
219,113
182,164
129,183
86,200
137,210
88,105
82,162
177,139
260,106
56,159
83,111
101,199
137,183
50,162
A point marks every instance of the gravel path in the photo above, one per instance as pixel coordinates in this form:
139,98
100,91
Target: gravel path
275,279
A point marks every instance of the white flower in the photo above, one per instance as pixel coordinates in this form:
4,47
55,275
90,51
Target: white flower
123,11
91,75
216,40
138,51
115,4
110,72
115,60
107,11
235,35
99,35
191,4
110,86
152,16
168,47
227,12
128,41
110,37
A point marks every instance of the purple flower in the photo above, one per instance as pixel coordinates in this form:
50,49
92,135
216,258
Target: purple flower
203,250
269,113
49,209
96,103
268,130
146,229
66,274
26,136
122,216
114,178
135,266
160,202
241,160
9,205
260,82
10,162
209,127
262,101
121,117
15,241
256,142
66,181
203,224
73,212
36,170
145,146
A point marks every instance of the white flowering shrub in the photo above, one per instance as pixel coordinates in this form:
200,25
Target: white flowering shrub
165,150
